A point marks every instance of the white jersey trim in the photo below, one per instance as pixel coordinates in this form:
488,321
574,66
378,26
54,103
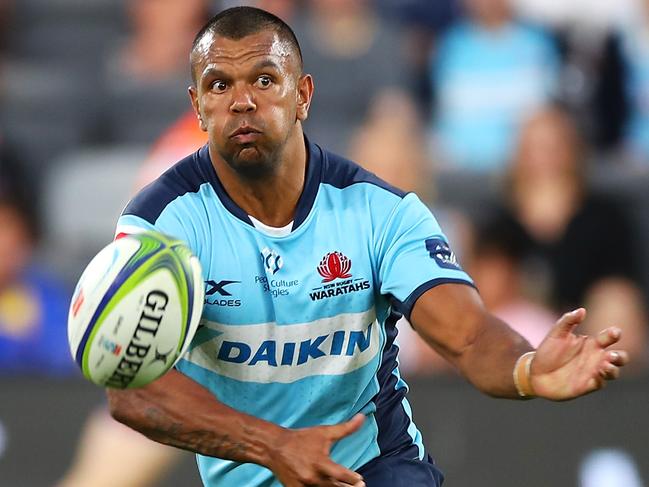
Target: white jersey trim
271,231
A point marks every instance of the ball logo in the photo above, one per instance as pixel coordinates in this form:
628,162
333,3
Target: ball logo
155,305
77,302
334,265
161,357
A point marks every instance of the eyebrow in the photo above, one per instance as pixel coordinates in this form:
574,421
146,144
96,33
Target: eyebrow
266,63
216,72
212,71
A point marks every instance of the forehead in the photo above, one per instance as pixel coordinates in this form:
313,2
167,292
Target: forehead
214,50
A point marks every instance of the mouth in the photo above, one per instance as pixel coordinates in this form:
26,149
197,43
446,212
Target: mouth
245,134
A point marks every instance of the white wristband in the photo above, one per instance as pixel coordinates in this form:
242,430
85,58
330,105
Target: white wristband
521,374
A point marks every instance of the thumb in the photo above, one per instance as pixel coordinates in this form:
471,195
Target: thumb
568,322
338,431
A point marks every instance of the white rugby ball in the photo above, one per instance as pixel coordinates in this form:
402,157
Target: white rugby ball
135,310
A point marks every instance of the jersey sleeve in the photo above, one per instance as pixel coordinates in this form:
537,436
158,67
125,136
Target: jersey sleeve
137,217
130,224
415,255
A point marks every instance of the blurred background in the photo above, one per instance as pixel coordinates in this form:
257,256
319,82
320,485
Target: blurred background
524,124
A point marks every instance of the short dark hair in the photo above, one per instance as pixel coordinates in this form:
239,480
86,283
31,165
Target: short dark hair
239,22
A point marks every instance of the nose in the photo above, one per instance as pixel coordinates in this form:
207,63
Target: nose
242,101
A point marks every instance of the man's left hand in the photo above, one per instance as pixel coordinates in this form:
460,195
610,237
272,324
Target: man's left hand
568,365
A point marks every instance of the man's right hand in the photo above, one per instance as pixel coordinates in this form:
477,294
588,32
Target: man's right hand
177,411
301,456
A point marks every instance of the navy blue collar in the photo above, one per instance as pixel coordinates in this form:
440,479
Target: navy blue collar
305,203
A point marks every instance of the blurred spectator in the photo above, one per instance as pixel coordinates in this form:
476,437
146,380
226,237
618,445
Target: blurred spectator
146,78
636,54
33,305
355,58
495,266
161,35
579,243
390,144
16,183
592,80
284,9
178,141
422,22
489,72
592,14
618,302
105,444
593,85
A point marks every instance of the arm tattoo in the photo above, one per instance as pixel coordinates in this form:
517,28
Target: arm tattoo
210,443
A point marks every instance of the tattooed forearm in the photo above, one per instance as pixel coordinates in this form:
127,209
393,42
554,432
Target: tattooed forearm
231,448
177,411
164,430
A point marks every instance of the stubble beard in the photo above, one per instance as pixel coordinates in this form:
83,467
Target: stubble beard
256,161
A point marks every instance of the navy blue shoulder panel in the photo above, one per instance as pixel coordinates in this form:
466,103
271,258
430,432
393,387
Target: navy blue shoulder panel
186,176
341,173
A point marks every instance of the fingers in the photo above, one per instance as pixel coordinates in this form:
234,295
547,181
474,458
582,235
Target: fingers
338,431
618,357
341,475
609,336
595,384
568,322
615,360
609,372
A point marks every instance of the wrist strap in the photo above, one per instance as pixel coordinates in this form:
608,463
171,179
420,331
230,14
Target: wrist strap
522,375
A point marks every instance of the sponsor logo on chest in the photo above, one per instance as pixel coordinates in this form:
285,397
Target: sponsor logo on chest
271,352
220,293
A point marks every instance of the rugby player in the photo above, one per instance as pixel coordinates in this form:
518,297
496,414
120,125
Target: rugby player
309,261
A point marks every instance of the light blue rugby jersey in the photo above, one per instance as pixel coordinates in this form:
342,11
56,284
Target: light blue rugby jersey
300,329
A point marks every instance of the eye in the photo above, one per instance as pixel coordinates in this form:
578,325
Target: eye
264,81
219,85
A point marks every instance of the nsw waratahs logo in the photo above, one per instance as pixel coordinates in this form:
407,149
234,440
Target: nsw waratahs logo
334,265
334,268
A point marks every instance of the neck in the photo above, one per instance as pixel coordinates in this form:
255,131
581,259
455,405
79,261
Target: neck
273,199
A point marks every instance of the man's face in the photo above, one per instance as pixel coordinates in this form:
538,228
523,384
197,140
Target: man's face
249,96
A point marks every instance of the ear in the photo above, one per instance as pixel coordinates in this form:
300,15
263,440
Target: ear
304,95
193,96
